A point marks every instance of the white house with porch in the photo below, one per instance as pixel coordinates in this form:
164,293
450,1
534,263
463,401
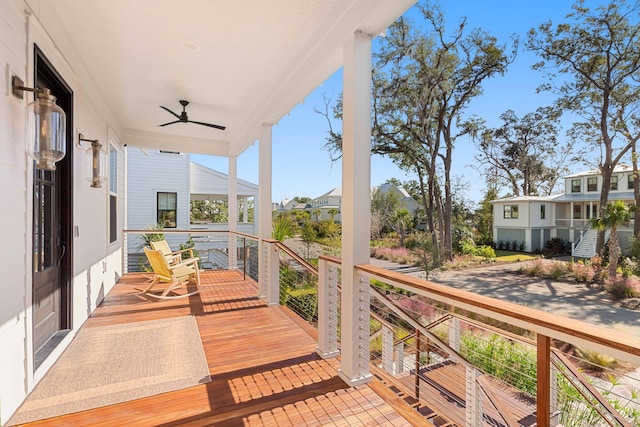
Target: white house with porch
111,65
160,187
242,66
533,220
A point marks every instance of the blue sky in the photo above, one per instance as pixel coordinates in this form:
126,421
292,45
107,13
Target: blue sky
302,167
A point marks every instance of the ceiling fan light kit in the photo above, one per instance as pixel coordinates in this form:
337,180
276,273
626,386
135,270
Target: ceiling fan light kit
183,118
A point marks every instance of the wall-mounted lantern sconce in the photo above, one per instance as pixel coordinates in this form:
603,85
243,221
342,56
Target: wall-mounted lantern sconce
46,126
96,161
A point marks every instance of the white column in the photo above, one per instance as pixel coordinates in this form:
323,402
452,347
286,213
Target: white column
571,216
327,310
356,200
400,357
266,271
233,212
245,209
473,410
387,349
454,334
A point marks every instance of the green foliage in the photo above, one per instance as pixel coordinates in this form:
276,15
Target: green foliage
209,211
523,154
508,361
426,252
556,247
283,227
147,238
190,244
326,229
303,301
485,252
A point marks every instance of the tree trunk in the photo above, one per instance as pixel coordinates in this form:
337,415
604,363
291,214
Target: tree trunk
614,252
636,189
605,170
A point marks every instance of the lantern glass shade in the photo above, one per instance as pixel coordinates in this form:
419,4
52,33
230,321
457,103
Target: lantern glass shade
96,161
46,130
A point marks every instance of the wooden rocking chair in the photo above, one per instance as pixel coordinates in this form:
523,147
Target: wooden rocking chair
177,275
173,257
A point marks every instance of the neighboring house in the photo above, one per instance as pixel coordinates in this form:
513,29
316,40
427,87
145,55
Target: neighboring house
406,201
328,205
160,187
535,219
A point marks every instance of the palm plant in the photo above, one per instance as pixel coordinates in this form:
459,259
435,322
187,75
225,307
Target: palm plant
613,216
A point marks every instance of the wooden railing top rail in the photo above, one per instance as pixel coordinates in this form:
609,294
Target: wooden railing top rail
284,248
191,231
604,340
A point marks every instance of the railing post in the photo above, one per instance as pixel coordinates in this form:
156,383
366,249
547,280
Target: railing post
544,381
473,411
454,333
400,357
327,310
125,253
273,275
387,349
263,268
553,396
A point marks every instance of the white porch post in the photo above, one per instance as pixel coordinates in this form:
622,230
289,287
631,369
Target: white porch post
473,411
356,200
454,334
571,214
268,276
327,310
245,209
233,212
387,349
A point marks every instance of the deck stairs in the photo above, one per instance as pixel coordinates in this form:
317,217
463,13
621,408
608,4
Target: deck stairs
586,246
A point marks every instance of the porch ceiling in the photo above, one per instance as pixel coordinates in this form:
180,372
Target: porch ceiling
238,63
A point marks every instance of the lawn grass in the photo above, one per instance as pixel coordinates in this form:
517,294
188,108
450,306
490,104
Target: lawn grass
510,256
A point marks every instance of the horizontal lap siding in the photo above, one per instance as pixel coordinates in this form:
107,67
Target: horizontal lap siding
13,213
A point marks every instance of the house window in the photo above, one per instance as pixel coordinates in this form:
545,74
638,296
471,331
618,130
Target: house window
167,209
575,185
511,211
543,213
592,184
577,211
614,182
630,179
113,194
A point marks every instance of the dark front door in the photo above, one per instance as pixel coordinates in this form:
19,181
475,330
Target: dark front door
52,229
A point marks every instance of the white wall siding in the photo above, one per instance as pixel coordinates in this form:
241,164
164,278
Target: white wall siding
147,175
97,265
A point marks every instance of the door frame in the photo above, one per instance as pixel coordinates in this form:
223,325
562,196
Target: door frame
43,69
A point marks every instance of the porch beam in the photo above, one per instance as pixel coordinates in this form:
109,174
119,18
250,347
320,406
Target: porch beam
356,200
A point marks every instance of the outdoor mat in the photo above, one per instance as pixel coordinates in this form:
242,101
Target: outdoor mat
111,364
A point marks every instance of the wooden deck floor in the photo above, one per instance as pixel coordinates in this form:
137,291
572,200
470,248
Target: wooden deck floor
263,366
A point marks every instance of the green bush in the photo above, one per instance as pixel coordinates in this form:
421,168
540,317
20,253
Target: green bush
485,252
304,302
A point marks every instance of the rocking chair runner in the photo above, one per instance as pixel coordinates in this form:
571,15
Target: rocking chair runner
173,257
177,275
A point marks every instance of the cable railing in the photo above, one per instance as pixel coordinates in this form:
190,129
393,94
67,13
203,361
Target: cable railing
478,360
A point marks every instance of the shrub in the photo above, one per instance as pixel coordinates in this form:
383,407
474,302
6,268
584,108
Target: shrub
536,269
485,252
467,247
521,246
556,247
557,270
623,287
514,245
304,302
582,273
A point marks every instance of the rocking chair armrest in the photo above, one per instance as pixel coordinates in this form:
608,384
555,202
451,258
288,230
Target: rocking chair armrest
186,263
181,251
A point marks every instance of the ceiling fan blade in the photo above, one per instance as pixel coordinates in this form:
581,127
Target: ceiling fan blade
211,125
170,123
166,109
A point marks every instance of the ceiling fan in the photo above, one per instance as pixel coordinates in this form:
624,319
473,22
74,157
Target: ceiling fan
182,118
